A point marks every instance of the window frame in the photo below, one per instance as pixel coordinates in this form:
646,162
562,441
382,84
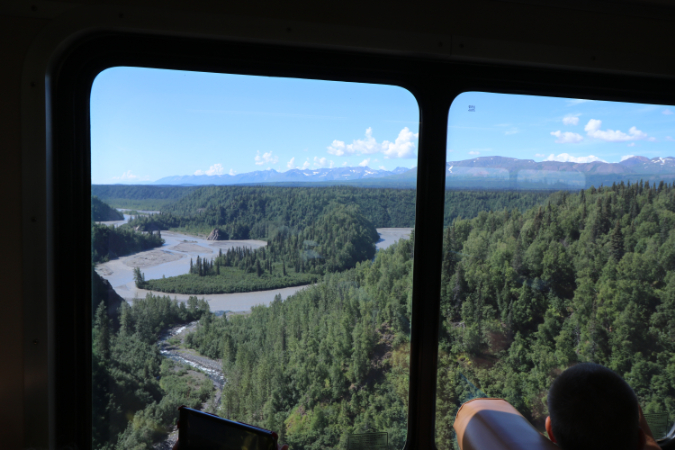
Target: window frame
434,83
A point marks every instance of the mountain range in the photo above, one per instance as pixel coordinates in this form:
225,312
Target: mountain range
290,176
496,172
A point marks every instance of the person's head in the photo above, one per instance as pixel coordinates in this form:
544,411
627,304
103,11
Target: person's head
591,407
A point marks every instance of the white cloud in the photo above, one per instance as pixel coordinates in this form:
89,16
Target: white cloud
266,158
623,158
667,112
566,137
344,164
383,168
216,169
322,162
365,162
651,139
474,153
593,130
291,164
305,165
566,157
126,176
233,172
403,147
511,131
337,148
668,138
577,101
539,155
571,119
632,144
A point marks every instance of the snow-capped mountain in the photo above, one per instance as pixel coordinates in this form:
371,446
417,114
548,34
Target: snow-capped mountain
633,165
293,175
488,172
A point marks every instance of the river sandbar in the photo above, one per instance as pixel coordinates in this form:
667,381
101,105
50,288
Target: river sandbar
151,258
186,247
250,243
238,301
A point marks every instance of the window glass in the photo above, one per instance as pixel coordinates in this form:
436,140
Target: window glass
558,249
252,246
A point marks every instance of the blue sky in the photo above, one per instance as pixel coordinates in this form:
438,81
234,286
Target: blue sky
148,123
541,128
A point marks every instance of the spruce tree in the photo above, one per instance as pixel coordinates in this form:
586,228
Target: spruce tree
139,278
101,333
616,240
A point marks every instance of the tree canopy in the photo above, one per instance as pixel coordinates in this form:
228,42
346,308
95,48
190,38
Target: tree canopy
101,212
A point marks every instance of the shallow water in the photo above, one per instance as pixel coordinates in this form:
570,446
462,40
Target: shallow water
389,236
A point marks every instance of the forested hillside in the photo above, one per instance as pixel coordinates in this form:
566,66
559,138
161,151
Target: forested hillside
109,242
141,197
327,362
590,276
338,239
101,212
136,392
243,212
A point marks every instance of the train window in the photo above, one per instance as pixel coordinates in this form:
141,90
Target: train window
558,248
252,242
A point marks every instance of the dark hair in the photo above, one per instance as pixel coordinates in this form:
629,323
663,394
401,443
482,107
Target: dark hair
591,407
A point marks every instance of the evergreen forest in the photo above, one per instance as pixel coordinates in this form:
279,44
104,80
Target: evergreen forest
253,212
588,277
101,212
136,392
528,289
336,241
110,242
140,197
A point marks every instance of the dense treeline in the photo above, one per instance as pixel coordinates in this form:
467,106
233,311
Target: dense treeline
101,211
327,362
135,392
338,239
468,204
110,242
141,197
589,277
243,212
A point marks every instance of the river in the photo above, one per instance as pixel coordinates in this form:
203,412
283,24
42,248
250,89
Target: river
173,258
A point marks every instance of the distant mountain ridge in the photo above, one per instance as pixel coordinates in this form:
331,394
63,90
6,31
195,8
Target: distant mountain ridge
635,164
497,172
273,176
491,172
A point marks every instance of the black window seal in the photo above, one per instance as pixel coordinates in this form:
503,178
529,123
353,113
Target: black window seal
434,83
